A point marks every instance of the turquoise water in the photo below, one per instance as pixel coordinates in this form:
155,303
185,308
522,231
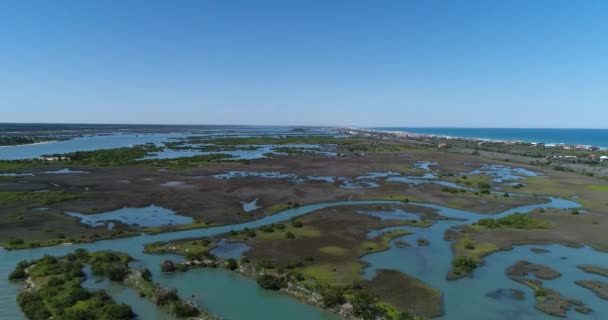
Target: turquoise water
219,289
591,137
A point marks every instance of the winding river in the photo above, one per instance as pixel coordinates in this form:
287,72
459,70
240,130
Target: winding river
222,291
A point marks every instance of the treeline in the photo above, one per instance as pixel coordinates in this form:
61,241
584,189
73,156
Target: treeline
14,141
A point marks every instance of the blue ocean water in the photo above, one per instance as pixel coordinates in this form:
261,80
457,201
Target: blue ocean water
591,137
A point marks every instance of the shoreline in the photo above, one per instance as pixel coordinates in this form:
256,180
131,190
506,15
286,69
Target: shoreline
30,144
403,133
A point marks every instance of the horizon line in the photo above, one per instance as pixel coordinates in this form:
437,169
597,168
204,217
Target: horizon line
300,125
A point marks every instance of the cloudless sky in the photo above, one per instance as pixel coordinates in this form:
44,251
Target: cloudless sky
516,63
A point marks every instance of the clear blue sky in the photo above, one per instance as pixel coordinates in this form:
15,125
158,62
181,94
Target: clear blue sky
363,63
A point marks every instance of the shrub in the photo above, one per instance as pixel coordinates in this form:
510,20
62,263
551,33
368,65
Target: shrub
162,296
117,272
331,295
17,274
365,306
184,309
463,263
33,306
167,266
488,223
268,228
78,314
271,282
146,274
521,221
118,312
290,235
232,264
55,281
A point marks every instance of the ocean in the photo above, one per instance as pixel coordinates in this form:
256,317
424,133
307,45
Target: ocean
590,137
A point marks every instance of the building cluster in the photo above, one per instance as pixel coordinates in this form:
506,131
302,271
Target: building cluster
54,158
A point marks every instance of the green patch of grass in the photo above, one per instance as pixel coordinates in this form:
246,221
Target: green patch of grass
182,247
303,232
516,221
333,250
467,247
598,188
179,227
281,207
336,274
382,242
7,166
34,198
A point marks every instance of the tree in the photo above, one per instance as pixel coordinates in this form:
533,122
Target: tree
232,264
364,306
331,295
117,272
167,266
271,282
146,274
118,312
18,274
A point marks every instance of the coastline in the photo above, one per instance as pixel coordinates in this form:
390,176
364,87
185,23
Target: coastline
404,133
548,143
29,144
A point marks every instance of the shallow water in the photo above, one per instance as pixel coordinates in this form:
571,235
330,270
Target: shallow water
65,171
504,173
424,165
248,152
151,216
226,250
250,206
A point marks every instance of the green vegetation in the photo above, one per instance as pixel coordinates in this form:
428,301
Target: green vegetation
463,265
281,207
55,291
516,221
333,250
279,141
34,198
599,188
54,288
163,297
133,156
20,140
109,264
112,157
271,282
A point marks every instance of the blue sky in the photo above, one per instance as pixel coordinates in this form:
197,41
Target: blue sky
361,63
